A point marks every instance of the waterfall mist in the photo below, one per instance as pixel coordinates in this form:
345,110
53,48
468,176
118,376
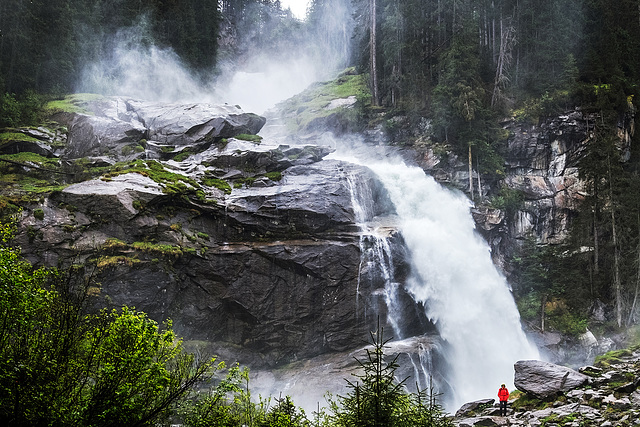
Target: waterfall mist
257,65
137,68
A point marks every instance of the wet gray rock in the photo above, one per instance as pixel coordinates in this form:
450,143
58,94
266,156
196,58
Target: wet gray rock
118,123
469,407
544,379
184,124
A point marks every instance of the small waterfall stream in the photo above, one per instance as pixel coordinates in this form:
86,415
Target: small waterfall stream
453,279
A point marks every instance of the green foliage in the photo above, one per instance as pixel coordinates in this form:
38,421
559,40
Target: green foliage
285,414
38,214
508,199
62,366
548,278
561,318
546,105
25,110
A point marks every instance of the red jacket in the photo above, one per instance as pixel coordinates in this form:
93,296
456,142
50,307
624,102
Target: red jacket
503,394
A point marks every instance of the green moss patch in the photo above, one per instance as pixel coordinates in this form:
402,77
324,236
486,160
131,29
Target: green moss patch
33,158
300,110
76,103
15,136
612,357
274,176
249,137
174,183
154,249
220,184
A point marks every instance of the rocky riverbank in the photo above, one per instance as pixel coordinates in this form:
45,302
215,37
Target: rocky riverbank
603,395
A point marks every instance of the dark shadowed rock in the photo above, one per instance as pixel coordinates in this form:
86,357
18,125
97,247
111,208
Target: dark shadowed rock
543,379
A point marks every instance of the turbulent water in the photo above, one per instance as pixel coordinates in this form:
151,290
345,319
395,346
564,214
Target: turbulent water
455,282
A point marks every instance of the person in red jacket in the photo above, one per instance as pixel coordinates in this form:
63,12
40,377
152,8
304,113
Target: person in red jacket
503,395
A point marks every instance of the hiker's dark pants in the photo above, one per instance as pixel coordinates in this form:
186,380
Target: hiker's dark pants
503,407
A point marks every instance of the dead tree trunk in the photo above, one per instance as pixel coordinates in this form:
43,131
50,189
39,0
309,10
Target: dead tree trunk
617,284
470,174
373,54
507,40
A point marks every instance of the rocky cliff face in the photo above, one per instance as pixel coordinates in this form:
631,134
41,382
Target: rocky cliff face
249,245
541,163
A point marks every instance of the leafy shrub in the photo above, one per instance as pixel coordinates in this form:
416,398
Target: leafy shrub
508,199
38,214
62,366
563,320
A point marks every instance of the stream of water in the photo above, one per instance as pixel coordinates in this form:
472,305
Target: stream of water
454,280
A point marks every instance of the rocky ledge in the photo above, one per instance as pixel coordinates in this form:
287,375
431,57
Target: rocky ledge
550,395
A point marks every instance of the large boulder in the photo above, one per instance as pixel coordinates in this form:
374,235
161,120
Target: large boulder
116,123
183,124
544,379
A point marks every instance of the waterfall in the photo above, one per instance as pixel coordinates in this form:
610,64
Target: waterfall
456,283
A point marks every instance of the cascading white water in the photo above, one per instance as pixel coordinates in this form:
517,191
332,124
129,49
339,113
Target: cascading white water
455,280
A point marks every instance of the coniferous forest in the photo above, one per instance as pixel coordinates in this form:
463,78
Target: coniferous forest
464,64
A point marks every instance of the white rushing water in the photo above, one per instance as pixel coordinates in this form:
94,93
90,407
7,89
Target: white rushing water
456,281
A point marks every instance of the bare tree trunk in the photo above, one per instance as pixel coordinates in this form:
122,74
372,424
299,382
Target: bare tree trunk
470,174
453,25
596,244
617,285
507,40
543,302
479,183
493,33
373,54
